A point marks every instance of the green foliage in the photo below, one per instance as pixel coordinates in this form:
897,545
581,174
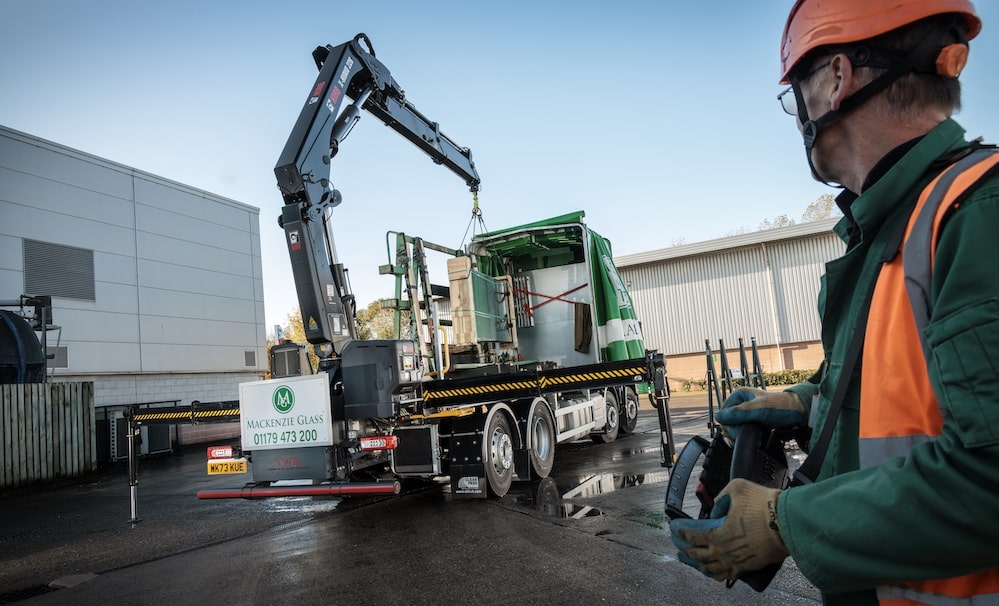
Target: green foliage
377,321
373,322
787,377
781,377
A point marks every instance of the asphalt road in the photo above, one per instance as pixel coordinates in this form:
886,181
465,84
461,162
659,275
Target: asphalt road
594,532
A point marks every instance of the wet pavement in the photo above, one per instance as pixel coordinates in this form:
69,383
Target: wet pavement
593,532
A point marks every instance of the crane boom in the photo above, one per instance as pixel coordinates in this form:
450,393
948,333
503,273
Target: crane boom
303,170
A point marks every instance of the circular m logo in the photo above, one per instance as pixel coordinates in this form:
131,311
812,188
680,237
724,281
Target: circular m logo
283,399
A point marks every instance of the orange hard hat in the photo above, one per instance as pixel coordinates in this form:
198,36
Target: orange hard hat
815,23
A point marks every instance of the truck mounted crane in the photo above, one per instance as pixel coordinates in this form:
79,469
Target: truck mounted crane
377,411
347,70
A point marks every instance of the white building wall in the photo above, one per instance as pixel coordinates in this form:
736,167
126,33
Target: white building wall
178,308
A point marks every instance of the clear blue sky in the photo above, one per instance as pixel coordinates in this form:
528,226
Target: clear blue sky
658,118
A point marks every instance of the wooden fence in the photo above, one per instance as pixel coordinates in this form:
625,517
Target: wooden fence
47,432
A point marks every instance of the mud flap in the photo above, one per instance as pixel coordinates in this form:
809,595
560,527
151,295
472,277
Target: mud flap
468,481
468,472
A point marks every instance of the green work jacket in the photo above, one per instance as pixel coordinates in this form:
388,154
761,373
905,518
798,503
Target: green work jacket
935,512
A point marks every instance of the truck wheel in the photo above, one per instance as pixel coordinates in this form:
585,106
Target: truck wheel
498,447
613,421
541,432
629,411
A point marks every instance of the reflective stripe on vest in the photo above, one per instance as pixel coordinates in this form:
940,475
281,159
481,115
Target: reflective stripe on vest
894,362
905,596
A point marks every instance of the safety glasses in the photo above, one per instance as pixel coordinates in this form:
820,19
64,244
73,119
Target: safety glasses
788,102
787,98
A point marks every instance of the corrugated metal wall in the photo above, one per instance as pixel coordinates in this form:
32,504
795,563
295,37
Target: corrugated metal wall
766,289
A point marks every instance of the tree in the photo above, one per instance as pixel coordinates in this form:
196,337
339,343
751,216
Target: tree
377,321
823,208
373,322
779,221
294,331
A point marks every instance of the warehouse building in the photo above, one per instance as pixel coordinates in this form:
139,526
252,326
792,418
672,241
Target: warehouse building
156,287
760,286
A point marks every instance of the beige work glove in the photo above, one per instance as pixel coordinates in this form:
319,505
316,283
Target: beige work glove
740,536
772,409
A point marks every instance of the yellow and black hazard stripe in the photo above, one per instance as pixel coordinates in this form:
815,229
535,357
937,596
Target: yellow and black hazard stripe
595,378
161,416
207,414
512,386
448,395
475,391
185,415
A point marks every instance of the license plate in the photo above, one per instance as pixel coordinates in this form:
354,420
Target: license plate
226,466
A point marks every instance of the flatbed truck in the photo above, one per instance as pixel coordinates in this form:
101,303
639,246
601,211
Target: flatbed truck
534,341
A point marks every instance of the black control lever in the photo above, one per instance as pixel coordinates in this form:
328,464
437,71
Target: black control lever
758,456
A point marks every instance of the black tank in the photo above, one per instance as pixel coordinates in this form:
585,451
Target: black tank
21,357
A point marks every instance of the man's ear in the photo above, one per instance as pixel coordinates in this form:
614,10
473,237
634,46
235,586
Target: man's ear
844,80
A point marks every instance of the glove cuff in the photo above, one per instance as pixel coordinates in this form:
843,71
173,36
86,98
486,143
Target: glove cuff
762,531
773,539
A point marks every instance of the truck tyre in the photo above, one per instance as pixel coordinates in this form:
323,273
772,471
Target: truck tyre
541,433
629,410
613,420
498,455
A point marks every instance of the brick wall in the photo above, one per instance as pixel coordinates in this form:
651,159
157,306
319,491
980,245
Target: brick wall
694,367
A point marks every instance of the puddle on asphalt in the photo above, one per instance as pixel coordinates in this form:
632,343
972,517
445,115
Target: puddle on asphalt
634,452
548,497
302,504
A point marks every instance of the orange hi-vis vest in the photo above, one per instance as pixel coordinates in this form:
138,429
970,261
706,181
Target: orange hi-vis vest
894,361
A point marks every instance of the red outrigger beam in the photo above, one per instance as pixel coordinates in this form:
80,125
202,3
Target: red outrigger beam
321,490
